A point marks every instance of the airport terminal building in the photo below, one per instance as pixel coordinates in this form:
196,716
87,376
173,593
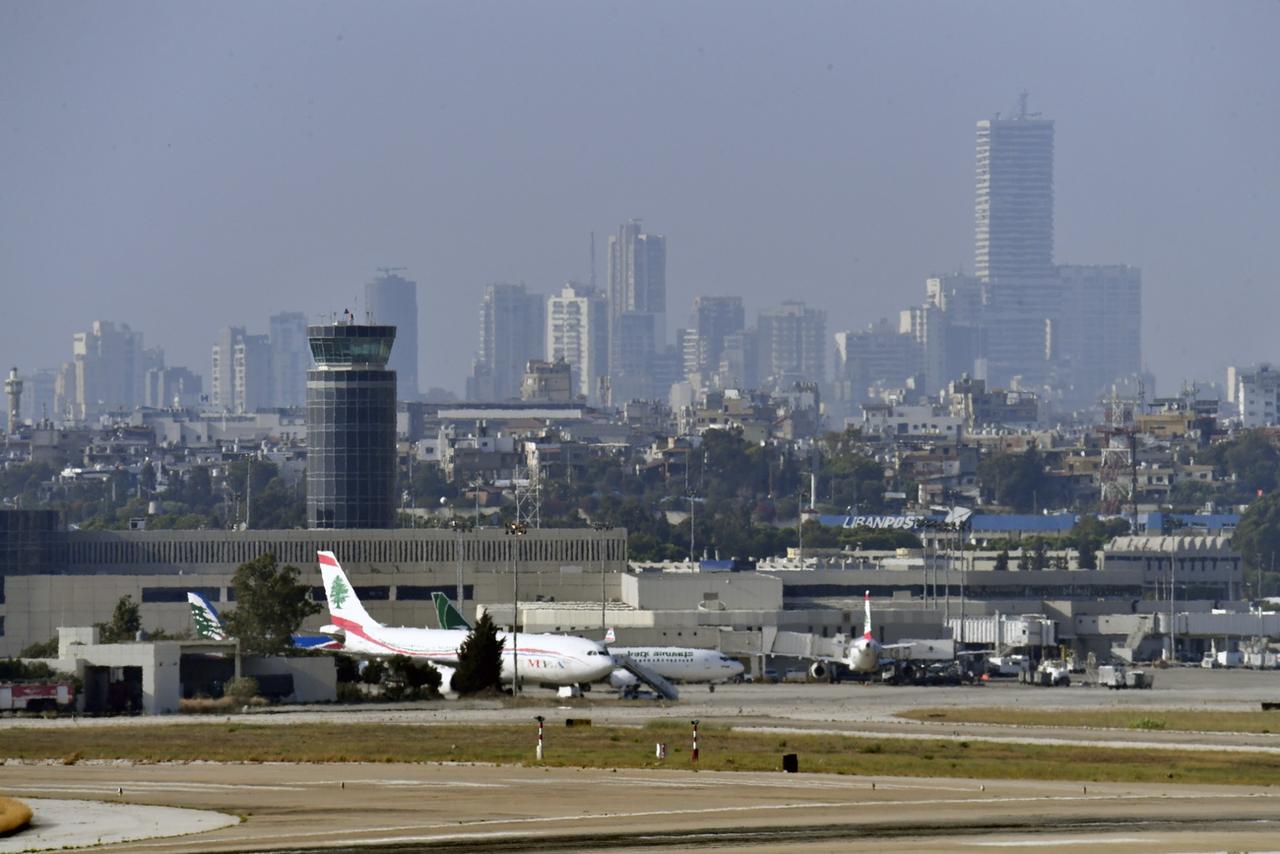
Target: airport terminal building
52,577
580,581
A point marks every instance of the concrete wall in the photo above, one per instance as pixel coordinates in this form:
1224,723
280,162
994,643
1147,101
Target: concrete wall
315,679
681,591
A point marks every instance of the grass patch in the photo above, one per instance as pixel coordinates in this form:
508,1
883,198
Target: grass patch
632,747
1148,723
1185,720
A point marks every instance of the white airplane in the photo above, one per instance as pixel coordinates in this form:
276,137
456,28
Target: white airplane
543,659
864,655
674,663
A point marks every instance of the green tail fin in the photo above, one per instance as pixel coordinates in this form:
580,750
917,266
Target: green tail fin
449,616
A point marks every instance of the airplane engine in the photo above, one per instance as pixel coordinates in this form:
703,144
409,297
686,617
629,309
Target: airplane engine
818,670
446,680
621,679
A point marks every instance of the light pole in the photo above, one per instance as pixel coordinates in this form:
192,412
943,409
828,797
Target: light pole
457,556
517,530
692,558
600,543
800,526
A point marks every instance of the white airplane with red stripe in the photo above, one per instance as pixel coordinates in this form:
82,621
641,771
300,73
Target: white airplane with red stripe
544,659
866,653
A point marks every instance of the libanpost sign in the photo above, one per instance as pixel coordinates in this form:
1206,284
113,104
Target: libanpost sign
901,523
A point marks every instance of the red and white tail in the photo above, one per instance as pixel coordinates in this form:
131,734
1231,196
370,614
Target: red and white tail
344,605
866,628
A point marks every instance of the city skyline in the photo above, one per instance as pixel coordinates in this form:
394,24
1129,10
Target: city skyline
772,195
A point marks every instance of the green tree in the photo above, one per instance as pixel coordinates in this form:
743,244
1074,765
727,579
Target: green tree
126,622
479,659
1040,554
47,649
409,678
270,606
1002,561
1090,533
147,480
1016,480
1258,539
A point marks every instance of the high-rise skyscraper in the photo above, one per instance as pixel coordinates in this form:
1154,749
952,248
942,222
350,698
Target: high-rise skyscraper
107,370
290,358
351,427
637,305
1013,248
638,273
792,341
222,376
714,319
578,333
512,331
392,298
241,371
251,372
1014,210
1099,331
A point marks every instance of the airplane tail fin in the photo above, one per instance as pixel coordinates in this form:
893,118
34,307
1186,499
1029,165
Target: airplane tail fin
866,628
344,604
207,624
448,614
610,637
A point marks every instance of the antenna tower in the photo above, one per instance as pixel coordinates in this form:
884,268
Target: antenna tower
1118,470
528,499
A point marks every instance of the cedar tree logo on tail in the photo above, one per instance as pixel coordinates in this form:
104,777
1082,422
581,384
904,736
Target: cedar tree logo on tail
338,592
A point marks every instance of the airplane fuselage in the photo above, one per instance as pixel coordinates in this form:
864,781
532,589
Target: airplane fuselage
678,664
543,658
864,656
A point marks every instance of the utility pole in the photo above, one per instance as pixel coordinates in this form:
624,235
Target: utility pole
800,527
604,599
517,530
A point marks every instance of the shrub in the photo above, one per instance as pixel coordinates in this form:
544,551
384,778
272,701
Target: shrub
243,689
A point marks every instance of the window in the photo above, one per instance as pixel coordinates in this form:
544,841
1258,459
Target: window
177,594
415,592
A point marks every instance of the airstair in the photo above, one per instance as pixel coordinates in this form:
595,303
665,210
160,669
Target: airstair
658,683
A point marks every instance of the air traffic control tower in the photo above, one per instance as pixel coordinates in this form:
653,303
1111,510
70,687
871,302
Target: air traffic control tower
351,427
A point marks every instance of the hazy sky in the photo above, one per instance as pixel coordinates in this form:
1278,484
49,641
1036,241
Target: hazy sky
183,166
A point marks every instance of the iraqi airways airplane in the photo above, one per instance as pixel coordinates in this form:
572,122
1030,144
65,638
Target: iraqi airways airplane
543,659
674,663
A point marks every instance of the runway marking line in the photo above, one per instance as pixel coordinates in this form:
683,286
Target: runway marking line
1045,843
1199,796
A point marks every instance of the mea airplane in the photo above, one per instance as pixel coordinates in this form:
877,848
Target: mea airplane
544,659
674,663
866,654
208,626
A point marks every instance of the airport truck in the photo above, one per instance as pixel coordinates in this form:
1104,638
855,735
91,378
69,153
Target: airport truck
36,696
1117,677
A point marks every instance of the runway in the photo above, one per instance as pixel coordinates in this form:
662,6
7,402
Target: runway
405,807
422,808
